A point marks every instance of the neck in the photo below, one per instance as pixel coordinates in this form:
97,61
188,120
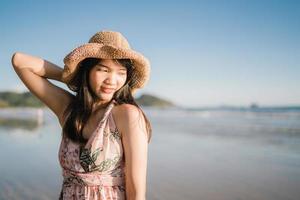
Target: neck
100,105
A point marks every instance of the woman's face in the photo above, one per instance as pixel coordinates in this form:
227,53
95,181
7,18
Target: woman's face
106,78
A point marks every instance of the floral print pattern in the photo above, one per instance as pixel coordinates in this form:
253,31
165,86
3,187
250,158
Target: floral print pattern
95,170
88,159
115,135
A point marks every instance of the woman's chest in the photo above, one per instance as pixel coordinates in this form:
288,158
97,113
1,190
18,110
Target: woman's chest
91,125
105,152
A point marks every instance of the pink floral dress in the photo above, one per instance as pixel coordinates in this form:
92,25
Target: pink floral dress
96,170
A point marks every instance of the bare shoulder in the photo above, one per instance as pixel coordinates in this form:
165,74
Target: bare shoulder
128,117
128,111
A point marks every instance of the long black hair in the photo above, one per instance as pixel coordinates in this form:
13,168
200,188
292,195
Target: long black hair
79,109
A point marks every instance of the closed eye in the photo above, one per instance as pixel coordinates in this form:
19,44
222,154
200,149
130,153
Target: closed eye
102,69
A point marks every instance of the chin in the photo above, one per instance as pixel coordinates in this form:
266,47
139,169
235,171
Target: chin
106,97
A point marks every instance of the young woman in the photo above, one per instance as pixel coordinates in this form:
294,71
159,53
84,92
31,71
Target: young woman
105,134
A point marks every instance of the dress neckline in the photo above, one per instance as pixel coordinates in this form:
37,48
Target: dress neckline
100,123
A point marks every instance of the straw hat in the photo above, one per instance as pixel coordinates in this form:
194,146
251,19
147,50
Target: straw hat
106,45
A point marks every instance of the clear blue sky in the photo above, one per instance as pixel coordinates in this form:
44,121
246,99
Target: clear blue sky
203,53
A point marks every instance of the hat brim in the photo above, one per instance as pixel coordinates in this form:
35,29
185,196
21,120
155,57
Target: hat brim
95,50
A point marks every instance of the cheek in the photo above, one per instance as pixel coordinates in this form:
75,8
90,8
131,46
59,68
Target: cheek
122,80
94,80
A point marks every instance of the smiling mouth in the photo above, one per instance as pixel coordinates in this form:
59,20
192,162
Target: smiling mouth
107,90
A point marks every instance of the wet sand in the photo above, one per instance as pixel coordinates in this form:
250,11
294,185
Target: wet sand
228,159
214,168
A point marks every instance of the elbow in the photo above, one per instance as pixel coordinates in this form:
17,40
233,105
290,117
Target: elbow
135,191
15,59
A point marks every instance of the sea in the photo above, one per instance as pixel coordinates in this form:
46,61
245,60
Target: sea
219,153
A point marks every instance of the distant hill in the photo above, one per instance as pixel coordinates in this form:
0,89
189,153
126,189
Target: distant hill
27,99
14,99
150,100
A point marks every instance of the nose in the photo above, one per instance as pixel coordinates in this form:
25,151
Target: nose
111,79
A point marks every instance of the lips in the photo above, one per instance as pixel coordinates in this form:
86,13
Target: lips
107,90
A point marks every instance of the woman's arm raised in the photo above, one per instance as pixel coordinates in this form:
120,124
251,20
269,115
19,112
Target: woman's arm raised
34,71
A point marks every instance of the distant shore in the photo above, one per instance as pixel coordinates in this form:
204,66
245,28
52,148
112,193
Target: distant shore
27,99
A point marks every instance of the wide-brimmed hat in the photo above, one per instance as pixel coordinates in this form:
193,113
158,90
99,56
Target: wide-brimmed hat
106,45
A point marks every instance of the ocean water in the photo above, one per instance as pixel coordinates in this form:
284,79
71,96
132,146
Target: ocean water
193,154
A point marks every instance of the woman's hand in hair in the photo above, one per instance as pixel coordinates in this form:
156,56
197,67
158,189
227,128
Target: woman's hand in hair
34,72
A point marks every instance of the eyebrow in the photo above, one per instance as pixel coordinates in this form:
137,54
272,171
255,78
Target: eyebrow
99,64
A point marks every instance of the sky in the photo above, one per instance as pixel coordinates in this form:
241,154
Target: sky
202,53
